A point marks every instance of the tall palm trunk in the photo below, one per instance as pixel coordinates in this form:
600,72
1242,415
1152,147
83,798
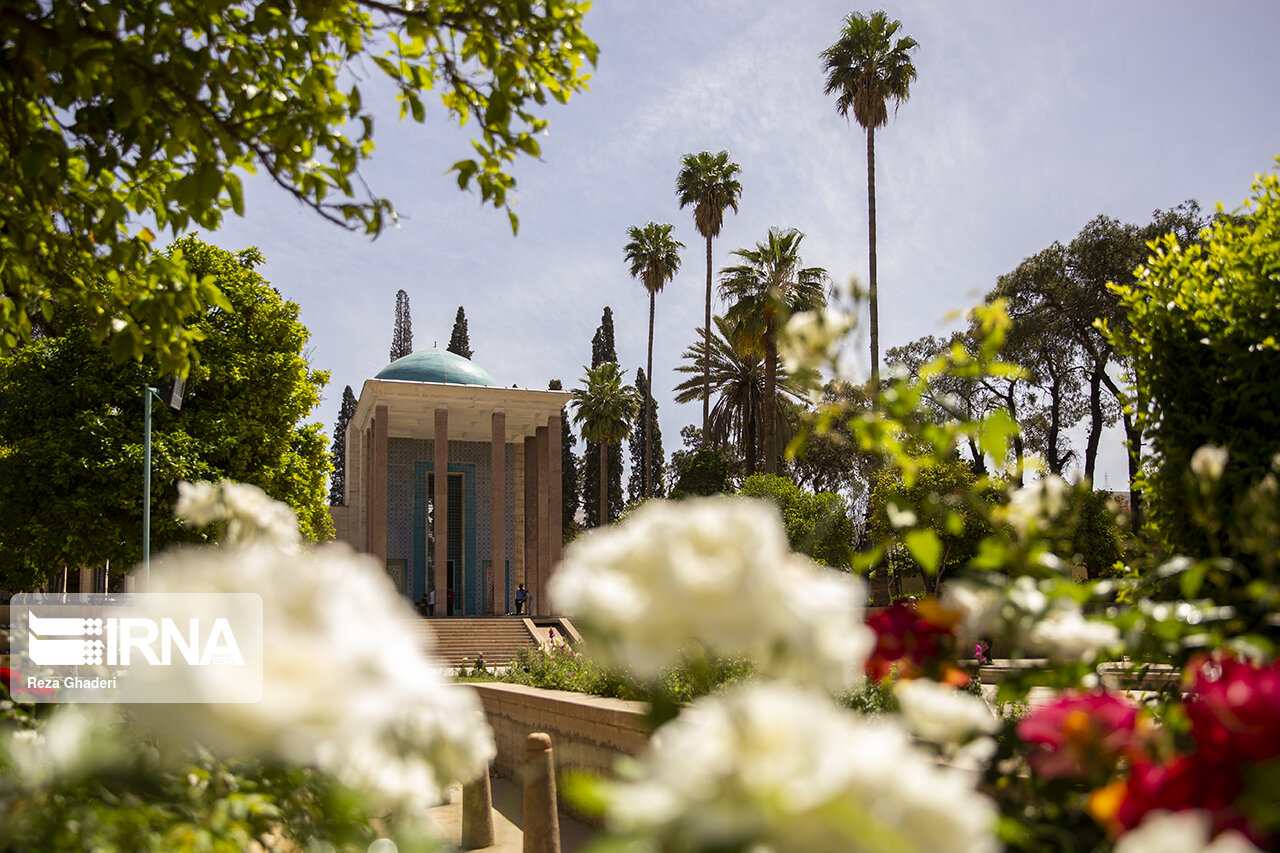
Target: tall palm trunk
874,294
648,409
770,394
604,483
706,363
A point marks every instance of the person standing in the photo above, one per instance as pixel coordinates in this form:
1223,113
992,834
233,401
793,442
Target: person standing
522,595
431,603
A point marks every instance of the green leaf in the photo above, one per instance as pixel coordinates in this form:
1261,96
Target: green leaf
925,548
994,434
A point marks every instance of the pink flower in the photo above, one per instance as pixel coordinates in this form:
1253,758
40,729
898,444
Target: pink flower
1080,736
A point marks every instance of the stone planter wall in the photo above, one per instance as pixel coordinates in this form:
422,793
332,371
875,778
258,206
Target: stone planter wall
587,732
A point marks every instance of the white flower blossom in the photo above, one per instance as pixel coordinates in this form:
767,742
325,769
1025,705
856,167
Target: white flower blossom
250,514
809,337
980,606
346,685
1208,462
1065,635
1037,503
768,766
718,572
1181,832
74,742
899,518
1020,611
943,715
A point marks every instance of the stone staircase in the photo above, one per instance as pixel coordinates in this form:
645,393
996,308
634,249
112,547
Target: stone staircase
457,639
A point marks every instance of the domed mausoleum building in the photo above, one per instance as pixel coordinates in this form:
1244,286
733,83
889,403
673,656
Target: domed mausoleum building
492,521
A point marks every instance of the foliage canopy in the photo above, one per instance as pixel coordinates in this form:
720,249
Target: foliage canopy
817,524
1205,346
71,430
120,114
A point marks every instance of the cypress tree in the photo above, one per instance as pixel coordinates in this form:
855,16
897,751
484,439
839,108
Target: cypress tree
568,471
635,483
602,350
402,336
459,342
338,453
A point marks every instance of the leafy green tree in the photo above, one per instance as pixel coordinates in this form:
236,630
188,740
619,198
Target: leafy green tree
120,113
338,452
459,340
73,424
402,333
867,67
764,291
827,456
946,396
705,473
944,529
640,440
709,182
602,350
568,472
737,377
605,408
1204,342
1057,298
654,257
817,524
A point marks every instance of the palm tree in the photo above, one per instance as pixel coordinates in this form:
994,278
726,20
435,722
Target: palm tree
867,68
737,375
605,407
709,182
654,256
765,290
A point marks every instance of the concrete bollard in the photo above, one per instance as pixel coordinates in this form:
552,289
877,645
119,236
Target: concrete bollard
541,815
477,813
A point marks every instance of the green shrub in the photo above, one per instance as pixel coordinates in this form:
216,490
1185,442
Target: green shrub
935,518
1205,350
817,524
706,474
560,667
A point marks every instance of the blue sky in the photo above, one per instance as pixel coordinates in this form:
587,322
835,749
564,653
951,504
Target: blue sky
1026,121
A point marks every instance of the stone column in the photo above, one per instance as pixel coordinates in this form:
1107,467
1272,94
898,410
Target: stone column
517,513
498,510
366,491
555,476
544,524
531,524
378,488
541,811
441,501
477,813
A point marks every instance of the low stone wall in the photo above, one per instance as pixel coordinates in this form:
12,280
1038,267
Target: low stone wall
587,732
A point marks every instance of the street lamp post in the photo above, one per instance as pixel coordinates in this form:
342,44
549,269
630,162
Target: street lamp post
173,396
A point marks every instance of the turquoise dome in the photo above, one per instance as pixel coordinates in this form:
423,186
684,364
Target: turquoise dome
436,365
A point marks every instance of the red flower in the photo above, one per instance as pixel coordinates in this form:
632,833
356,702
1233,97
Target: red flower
1186,782
1235,710
911,638
1081,736
13,683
